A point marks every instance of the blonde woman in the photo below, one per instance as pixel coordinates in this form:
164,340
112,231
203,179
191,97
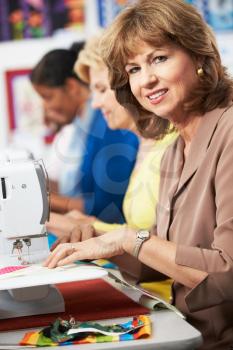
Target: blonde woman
141,197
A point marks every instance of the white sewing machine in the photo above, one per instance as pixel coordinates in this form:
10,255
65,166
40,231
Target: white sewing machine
24,209
11,153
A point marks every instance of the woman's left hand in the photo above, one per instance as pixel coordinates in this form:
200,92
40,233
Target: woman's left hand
78,216
78,233
105,246
60,224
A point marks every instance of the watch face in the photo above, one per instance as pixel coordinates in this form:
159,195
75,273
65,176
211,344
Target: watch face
143,234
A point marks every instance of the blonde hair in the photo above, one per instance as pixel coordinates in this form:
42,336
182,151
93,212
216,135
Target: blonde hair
158,23
89,57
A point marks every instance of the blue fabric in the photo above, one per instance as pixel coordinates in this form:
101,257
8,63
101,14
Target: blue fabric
51,239
107,164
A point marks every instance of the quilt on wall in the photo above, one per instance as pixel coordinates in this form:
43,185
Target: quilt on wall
22,19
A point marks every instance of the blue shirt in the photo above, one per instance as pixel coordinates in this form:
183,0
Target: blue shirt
106,168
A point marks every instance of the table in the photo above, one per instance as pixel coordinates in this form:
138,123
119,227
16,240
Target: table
169,332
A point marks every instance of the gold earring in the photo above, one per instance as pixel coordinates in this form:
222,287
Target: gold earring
200,72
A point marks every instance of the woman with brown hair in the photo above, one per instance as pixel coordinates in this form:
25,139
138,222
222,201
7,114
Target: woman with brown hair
144,181
163,60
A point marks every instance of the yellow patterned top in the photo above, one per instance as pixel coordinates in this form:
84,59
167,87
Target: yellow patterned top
141,197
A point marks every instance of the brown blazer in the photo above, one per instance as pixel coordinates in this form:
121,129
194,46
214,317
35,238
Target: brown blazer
195,210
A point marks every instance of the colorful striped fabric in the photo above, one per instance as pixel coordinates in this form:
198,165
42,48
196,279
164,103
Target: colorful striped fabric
107,264
88,332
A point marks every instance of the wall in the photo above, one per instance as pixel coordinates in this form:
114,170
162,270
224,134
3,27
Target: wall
26,53
225,44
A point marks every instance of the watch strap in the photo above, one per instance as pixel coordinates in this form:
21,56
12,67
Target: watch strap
141,237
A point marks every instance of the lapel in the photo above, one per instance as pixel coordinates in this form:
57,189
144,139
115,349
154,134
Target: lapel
199,145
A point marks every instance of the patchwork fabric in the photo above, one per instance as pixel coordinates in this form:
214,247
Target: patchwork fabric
63,332
105,263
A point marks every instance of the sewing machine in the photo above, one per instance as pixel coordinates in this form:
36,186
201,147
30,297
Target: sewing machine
24,209
11,153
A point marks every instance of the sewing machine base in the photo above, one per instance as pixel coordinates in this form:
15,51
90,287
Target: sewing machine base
30,301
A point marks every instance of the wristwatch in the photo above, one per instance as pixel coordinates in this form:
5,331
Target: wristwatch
141,237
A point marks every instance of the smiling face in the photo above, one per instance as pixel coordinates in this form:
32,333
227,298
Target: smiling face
104,98
161,79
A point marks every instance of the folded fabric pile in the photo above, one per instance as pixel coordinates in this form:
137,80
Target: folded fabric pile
63,332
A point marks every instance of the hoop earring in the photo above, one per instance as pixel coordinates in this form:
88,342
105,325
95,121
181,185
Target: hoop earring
200,72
